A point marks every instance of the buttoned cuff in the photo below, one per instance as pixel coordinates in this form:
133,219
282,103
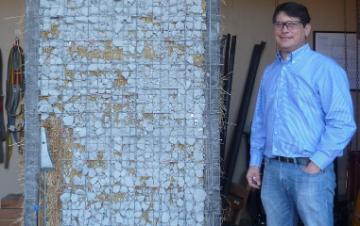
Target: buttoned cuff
256,159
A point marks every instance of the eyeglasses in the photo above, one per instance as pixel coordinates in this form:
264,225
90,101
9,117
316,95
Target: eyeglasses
290,25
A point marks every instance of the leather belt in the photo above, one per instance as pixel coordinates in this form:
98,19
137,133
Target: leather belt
297,160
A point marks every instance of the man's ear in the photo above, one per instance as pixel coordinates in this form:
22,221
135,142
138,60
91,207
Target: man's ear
307,30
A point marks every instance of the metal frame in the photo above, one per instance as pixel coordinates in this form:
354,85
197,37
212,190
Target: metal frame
212,180
32,121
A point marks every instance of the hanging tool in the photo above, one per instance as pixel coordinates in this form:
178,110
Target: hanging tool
15,88
2,123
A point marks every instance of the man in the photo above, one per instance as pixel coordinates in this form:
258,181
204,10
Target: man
302,122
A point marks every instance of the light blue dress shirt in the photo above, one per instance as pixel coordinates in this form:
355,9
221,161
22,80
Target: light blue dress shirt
303,109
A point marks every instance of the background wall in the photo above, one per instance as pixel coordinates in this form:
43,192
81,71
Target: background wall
11,19
251,22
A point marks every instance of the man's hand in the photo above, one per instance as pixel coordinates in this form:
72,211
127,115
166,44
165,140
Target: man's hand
312,168
253,177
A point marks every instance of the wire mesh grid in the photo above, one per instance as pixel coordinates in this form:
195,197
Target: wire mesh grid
127,79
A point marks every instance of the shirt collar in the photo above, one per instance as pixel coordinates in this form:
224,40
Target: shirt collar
294,55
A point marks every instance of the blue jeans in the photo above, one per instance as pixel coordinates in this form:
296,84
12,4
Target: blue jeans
288,193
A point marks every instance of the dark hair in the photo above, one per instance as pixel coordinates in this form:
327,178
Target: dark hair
293,9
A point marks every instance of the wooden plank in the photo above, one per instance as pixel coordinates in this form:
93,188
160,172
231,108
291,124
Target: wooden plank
12,201
10,213
9,223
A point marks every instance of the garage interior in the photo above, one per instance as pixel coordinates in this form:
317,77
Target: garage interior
249,24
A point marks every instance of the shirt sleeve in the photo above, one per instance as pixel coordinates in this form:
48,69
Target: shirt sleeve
257,141
339,121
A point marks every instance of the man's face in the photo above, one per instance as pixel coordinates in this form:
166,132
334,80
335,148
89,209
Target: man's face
290,33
